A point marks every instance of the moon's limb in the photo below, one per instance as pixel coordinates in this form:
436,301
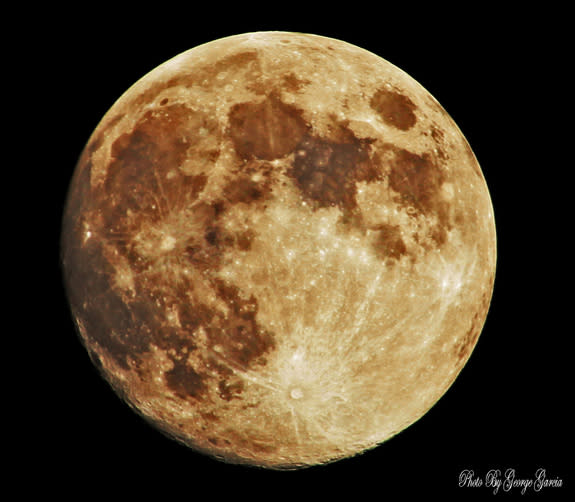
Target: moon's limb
279,249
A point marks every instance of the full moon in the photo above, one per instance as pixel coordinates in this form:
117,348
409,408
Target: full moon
279,249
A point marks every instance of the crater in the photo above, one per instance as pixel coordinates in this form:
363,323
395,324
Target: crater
296,393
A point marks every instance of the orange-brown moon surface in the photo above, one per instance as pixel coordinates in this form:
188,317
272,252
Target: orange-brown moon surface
279,249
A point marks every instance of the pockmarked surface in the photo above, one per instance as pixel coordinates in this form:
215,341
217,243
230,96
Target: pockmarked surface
279,249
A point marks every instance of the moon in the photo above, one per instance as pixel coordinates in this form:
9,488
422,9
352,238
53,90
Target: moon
279,249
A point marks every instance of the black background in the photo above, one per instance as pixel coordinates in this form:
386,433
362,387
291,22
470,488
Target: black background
496,73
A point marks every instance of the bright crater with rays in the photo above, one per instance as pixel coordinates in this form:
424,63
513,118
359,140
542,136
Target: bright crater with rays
279,249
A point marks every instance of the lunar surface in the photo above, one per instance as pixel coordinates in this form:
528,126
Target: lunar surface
279,249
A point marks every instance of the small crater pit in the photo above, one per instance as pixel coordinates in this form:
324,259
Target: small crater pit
296,393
